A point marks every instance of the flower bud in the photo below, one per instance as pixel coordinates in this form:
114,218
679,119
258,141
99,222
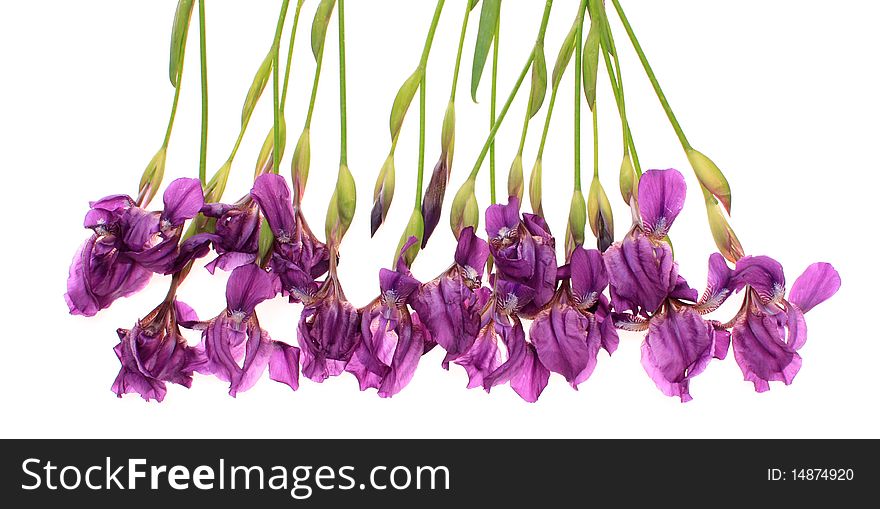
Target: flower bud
432,204
465,211
342,206
152,177
577,221
299,167
414,228
600,215
267,240
182,16
402,101
539,80
215,187
319,27
710,177
564,55
447,134
535,188
266,159
383,193
590,63
725,238
515,178
261,78
629,181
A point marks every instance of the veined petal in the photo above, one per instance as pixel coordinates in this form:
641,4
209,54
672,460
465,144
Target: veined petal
248,286
816,285
284,364
272,194
661,198
183,201
589,278
502,220
677,348
761,352
472,252
641,274
567,342
763,274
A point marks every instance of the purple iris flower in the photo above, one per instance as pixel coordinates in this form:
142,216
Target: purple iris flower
298,257
501,352
153,352
770,329
235,237
568,334
128,244
328,331
524,252
645,283
391,341
450,306
237,349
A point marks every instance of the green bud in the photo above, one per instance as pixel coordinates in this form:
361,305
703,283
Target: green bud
535,188
515,178
597,12
182,16
539,80
299,167
342,206
600,214
577,219
414,228
256,90
710,177
465,210
152,177
383,194
319,27
447,134
267,240
217,185
472,4
402,101
266,159
725,238
629,181
564,56
591,62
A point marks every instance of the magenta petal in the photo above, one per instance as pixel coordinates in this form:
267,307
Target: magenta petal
450,310
248,286
763,274
677,348
471,252
588,274
481,359
284,364
531,379
328,334
642,275
722,342
661,198
271,192
183,201
409,349
816,285
99,275
762,354
567,342
501,219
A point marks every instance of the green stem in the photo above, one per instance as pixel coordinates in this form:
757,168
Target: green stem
203,148
650,72
595,142
176,91
492,106
467,15
276,92
429,41
629,146
299,5
578,87
482,157
550,106
421,169
540,41
343,114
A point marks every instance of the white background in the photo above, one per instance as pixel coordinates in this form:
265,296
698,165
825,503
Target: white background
782,95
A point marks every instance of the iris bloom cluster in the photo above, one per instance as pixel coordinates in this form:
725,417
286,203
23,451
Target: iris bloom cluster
574,309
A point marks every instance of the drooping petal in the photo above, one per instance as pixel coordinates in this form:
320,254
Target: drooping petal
567,342
763,274
284,364
531,379
502,220
471,252
718,285
641,274
272,194
761,352
589,278
407,352
248,286
328,334
677,348
661,198
402,285
99,275
483,358
816,285
537,226
683,291
183,201
450,310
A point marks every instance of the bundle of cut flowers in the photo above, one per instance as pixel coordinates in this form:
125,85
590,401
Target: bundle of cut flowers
508,310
